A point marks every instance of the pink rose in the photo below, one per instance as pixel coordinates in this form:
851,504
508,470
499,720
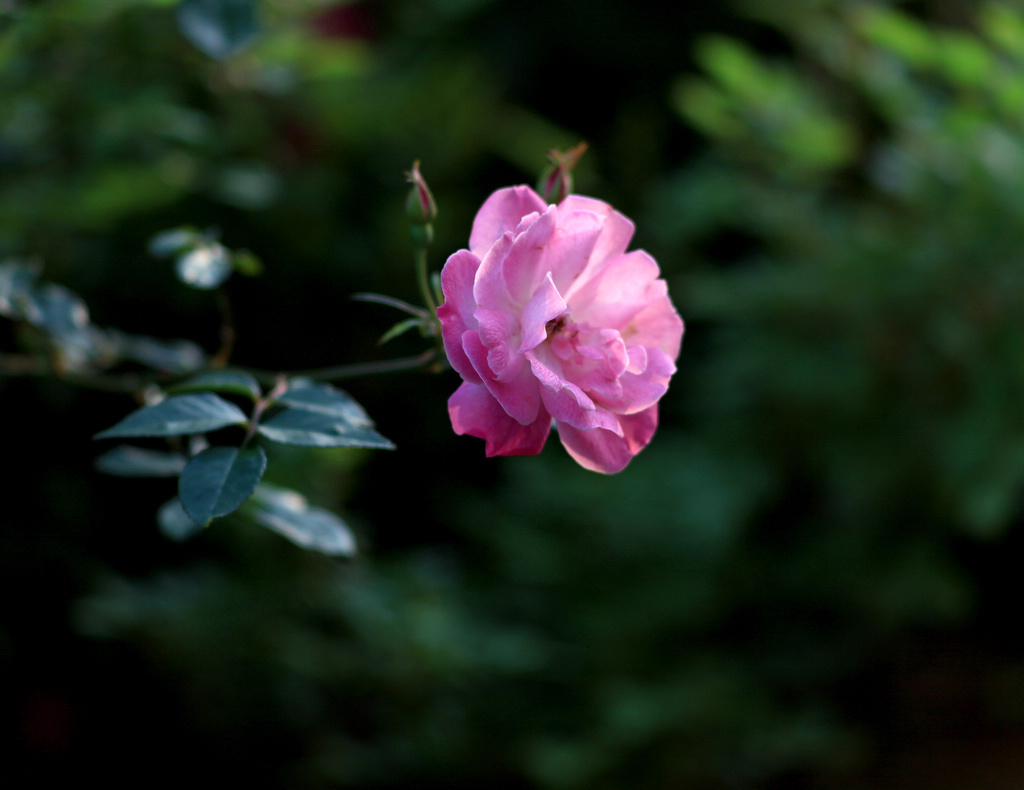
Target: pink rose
547,317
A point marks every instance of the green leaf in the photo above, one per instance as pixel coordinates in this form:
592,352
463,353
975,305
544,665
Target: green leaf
174,356
318,429
965,59
707,107
57,310
289,514
16,282
235,382
173,242
178,416
63,319
400,329
737,67
220,28
251,186
1004,26
204,267
128,461
174,522
244,262
324,399
218,480
898,33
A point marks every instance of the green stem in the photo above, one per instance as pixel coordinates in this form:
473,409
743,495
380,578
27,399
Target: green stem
20,366
261,406
424,280
356,370
227,332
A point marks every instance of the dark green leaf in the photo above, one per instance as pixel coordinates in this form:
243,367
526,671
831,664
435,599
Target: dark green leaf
177,416
64,320
899,33
57,310
318,429
174,356
174,521
235,382
289,514
244,262
218,480
325,399
250,186
400,329
16,282
220,28
128,461
173,242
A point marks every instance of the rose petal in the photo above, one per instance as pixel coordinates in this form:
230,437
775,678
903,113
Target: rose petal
637,359
636,393
657,326
616,232
546,305
603,451
565,401
500,213
497,327
624,286
456,314
572,246
523,265
475,412
489,288
517,390
571,406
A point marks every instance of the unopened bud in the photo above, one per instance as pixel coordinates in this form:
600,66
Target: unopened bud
556,181
419,206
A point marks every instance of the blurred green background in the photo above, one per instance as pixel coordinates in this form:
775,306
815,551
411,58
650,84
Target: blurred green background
806,581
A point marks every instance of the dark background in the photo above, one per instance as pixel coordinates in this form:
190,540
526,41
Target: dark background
802,583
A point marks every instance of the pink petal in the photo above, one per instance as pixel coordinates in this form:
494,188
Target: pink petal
572,246
517,390
657,326
497,327
616,232
571,406
489,288
499,333
522,266
546,305
636,393
621,289
566,402
633,392
603,451
637,359
500,213
456,314
475,412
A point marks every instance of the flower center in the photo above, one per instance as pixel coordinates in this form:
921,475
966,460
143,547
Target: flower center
555,325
